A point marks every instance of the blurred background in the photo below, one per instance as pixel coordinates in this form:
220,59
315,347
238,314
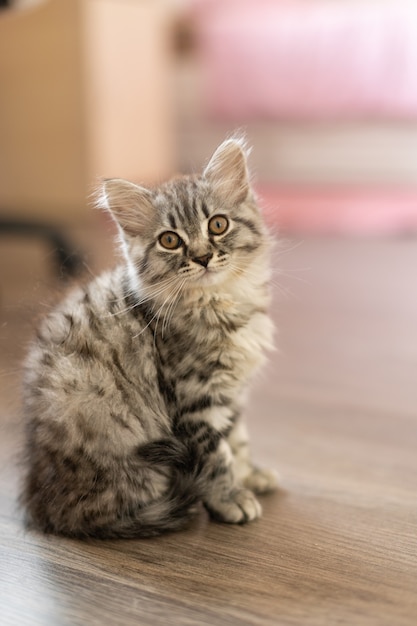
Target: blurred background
326,91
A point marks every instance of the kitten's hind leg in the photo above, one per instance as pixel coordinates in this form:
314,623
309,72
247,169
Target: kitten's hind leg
258,480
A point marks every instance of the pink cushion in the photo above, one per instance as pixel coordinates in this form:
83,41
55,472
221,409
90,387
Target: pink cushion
340,210
311,59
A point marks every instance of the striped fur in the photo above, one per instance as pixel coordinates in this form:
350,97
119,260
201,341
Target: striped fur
135,385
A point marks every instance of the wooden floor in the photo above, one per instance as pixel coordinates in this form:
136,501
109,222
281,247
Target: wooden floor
335,413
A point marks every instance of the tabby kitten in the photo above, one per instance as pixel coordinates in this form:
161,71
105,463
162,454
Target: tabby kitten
134,388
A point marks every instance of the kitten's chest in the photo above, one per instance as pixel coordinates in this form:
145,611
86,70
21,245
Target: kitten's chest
217,344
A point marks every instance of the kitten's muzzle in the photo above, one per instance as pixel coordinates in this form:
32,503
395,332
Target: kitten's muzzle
203,260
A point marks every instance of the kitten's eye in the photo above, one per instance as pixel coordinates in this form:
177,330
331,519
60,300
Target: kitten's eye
170,240
218,225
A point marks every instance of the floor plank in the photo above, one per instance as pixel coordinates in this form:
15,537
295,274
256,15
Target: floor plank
335,412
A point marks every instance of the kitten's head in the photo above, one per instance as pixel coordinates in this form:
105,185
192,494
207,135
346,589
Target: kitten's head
195,231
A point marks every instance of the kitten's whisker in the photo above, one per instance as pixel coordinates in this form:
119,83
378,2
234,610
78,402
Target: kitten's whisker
284,292
133,292
169,298
239,269
88,268
151,295
11,372
144,328
156,315
149,292
244,270
285,246
171,309
166,316
286,274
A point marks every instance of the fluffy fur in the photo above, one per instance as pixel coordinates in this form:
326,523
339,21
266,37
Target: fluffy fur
135,385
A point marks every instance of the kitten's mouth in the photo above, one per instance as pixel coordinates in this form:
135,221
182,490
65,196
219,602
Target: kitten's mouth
204,277
209,276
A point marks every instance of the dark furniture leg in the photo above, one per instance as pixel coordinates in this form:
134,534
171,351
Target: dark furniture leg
68,262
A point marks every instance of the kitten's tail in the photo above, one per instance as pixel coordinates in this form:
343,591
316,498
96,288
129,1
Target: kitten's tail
177,506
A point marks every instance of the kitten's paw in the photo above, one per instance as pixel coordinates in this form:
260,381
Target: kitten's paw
241,507
261,480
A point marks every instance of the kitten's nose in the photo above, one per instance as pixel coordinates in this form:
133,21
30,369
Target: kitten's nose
203,260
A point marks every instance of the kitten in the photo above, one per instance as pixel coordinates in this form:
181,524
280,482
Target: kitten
134,388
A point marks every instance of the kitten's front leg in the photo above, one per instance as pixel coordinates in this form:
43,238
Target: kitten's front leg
225,499
204,433
259,480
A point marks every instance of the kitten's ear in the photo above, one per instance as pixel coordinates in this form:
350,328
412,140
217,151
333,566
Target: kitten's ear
129,204
227,170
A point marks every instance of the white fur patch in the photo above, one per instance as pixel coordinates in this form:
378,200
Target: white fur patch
220,418
252,340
